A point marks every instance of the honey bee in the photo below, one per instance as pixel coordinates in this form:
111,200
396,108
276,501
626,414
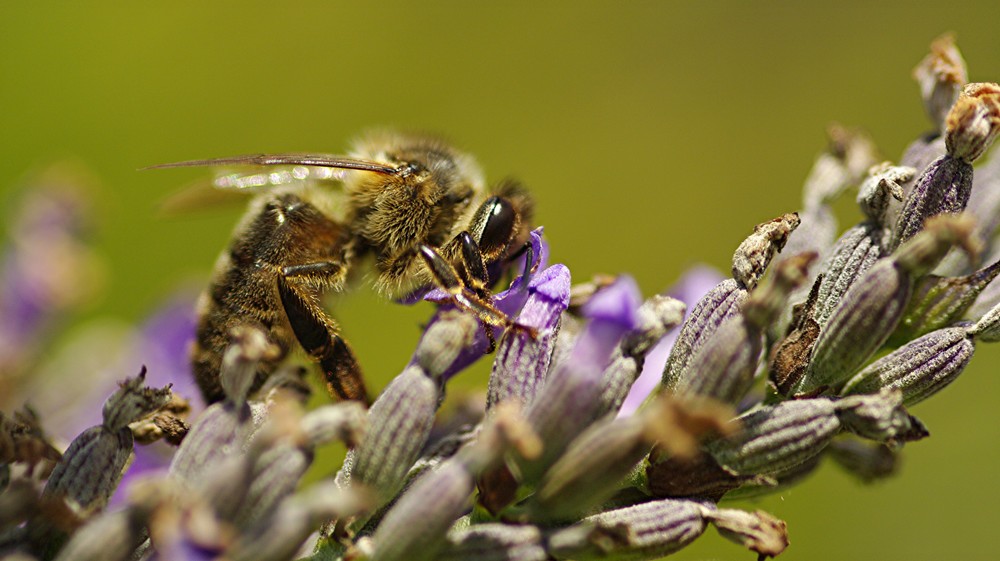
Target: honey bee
415,206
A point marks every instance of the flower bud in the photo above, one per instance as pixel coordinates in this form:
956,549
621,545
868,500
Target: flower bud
872,308
757,531
281,535
415,528
918,369
644,531
567,402
656,317
854,253
879,417
598,460
943,187
398,424
941,301
777,438
714,309
752,257
988,327
444,341
883,183
658,528
522,359
724,368
867,461
113,536
92,466
495,542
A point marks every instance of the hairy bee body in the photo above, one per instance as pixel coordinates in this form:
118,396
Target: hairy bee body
250,278
418,208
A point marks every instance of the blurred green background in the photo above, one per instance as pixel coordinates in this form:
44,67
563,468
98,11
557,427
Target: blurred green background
654,136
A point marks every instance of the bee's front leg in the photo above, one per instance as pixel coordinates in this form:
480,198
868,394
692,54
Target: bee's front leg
463,252
317,332
449,279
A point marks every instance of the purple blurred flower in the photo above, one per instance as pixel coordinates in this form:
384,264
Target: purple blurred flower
163,346
48,269
567,402
690,288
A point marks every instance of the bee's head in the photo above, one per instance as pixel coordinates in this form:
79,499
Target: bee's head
501,224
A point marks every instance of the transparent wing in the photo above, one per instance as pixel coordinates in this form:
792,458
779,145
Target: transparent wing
293,167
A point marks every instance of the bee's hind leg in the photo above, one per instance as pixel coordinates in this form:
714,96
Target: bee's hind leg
319,336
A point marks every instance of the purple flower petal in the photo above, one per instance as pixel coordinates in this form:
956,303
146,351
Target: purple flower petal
565,405
690,288
164,347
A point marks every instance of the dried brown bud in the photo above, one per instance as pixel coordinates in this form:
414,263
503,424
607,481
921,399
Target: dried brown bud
753,255
941,74
884,181
758,531
973,121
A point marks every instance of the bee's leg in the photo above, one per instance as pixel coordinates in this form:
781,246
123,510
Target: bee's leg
469,263
322,274
448,279
317,333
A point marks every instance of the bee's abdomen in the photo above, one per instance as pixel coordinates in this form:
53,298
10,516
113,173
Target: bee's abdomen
238,297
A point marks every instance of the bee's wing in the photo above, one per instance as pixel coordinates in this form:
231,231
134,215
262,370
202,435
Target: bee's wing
284,169
200,195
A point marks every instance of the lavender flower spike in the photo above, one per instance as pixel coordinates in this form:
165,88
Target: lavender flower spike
523,358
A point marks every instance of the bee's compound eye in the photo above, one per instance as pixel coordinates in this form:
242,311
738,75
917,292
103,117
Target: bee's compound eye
493,226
